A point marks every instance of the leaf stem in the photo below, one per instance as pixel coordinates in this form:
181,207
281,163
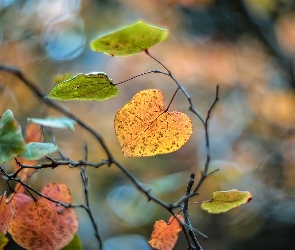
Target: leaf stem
144,73
191,105
171,100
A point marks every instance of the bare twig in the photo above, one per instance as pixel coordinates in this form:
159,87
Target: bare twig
186,213
191,105
84,178
144,73
205,174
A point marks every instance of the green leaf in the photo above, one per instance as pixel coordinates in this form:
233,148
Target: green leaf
130,40
11,140
62,77
54,122
37,150
3,241
223,201
75,244
85,87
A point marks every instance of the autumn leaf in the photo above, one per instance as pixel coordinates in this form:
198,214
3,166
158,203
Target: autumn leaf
144,128
223,201
165,235
41,224
33,133
130,40
11,139
75,244
85,87
6,214
3,240
37,150
54,122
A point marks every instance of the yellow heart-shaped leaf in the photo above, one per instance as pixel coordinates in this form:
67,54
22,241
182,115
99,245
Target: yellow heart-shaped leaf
144,128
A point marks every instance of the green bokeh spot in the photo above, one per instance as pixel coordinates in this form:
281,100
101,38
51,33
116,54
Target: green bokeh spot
75,244
85,87
223,201
11,139
130,40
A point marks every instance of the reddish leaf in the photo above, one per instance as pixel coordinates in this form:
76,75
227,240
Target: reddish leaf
42,224
165,235
6,214
33,133
56,191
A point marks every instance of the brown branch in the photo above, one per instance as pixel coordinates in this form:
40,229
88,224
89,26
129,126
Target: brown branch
190,229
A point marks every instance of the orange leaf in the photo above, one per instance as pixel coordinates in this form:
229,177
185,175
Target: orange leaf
42,224
6,214
165,235
144,128
33,133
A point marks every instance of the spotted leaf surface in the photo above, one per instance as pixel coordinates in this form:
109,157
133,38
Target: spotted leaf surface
130,40
223,201
85,87
41,224
165,235
6,214
144,128
11,139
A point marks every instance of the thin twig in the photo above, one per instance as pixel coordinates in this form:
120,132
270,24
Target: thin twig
191,105
84,178
144,73
204,174
171,100
190,229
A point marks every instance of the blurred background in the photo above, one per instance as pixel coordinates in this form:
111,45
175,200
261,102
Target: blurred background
248,47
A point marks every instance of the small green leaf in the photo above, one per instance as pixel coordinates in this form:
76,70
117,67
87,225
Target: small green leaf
37,150
11,140
3,241
85,87
62,77
223,201
75,244
54,122
130,40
